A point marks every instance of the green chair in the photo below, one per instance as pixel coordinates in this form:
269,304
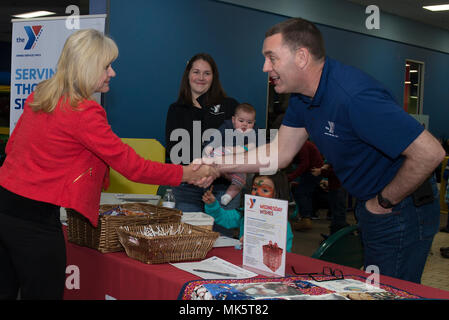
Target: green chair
343,247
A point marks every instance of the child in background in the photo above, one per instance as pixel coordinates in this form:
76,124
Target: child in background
336,196
305,160
268,186
238,135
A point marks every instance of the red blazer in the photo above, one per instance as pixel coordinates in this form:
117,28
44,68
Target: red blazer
63,158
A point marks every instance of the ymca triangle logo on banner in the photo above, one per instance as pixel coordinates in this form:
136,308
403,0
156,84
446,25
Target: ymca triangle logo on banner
33,33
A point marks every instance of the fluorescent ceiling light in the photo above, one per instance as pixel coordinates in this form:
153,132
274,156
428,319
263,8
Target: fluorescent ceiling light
441,7
34,14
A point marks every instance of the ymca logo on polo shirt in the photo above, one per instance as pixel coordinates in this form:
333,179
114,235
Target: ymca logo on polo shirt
330,129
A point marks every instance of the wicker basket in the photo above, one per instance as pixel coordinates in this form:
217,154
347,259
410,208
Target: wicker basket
193,243
199,219
104,237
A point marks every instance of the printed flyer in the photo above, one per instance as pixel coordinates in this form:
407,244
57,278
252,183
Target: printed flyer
265,235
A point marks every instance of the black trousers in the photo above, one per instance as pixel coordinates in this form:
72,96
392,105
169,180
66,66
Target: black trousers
32,249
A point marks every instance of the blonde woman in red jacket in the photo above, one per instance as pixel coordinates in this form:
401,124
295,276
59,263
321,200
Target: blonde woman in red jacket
59,155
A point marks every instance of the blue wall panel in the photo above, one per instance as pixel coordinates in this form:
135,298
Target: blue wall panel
352,17
157,37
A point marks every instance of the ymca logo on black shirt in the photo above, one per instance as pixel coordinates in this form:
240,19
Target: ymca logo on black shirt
215,110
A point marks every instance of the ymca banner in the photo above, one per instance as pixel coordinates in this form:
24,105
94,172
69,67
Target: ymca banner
36,46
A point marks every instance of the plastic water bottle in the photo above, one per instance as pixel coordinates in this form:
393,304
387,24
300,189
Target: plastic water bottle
168,200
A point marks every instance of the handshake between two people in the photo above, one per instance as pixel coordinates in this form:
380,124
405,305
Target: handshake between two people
200,173
203,171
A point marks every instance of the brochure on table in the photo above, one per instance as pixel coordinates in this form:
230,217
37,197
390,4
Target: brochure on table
214,268
265,235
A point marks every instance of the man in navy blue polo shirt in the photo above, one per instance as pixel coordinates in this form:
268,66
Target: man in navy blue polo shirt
381,155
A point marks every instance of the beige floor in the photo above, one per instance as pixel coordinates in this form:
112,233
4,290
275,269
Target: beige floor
436,272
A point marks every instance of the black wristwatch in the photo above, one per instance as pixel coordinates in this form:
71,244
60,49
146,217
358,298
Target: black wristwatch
384,203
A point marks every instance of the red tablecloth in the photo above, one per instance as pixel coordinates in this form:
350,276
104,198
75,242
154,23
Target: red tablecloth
120,277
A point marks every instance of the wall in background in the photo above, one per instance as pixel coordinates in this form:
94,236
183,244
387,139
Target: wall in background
98,6
156,38
5,63
351,16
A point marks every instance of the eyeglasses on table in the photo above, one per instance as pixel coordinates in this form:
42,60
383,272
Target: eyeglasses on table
334,274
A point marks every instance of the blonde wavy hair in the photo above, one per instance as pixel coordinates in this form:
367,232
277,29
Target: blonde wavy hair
84,58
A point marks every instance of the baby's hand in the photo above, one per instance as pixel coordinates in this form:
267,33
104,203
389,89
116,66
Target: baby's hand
208,196
208,152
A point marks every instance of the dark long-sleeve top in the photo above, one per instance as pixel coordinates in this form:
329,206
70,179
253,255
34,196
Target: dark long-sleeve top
195,121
